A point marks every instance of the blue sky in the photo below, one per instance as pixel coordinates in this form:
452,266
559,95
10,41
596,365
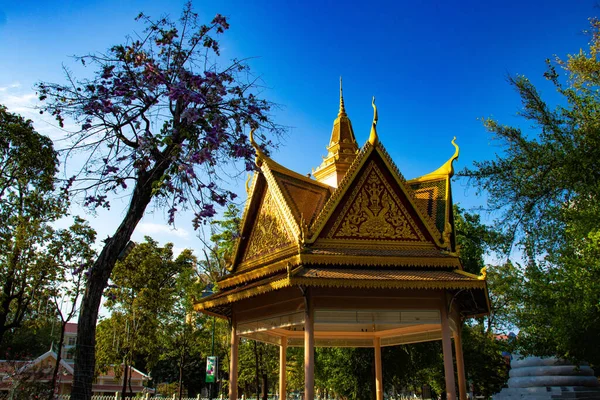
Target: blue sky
435,67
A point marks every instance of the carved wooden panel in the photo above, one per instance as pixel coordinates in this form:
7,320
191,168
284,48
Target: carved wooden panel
375,212
269,232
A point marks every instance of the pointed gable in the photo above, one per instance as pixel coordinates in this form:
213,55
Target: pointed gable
269,232
305,198
374,209
374,204
264,230
434,196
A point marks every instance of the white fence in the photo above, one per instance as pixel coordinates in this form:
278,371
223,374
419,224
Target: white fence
147,396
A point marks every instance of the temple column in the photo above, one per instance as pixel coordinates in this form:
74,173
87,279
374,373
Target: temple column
460,364
309,350
282,365
233,362
378,369
447,349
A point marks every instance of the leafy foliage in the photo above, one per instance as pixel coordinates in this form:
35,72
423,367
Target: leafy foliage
546,188
32,253
150,300
485,367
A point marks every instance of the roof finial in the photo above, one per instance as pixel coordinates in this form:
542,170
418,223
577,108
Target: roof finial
259,154
342,108
373,139
454,157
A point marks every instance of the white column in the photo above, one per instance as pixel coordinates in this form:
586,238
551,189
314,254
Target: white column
233,362
309,350
378,369
447,349
460,364
282,364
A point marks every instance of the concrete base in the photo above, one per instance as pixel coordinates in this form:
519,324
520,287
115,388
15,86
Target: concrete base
549,392
549,378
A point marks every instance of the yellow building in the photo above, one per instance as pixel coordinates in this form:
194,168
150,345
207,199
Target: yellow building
357,257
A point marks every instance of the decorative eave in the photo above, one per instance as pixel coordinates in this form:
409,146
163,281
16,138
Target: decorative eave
362,279
445,174
406,257
252,198
446,171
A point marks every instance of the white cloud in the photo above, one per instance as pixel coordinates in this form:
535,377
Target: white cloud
26,103
11,86
19,103
149,228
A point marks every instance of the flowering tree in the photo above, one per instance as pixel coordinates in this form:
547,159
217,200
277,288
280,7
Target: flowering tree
157,120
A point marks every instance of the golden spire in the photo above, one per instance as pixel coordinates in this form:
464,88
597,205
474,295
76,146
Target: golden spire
342,148
342,108
373,139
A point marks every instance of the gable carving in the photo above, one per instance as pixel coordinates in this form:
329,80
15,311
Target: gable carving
269,232
374,211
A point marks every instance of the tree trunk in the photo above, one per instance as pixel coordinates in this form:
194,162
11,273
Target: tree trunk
265,387
85,351
58,358
124,388
181,361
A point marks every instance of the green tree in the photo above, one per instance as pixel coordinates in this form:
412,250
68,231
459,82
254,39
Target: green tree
158,118
485,366
184,334
28,203
145,290
73,255
545,188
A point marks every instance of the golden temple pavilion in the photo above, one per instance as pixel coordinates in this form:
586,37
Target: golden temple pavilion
357,257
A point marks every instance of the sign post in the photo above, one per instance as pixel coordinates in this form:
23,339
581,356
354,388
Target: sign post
211,369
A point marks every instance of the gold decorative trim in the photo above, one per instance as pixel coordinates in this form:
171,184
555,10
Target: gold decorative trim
445,171
324,259
269,234
269,287
292,280
364,213
288,216
408,192
373,284
465,273
247,276
249,201
323,243
373,138
290,250
317,226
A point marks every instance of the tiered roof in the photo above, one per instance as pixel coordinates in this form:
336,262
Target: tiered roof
370,229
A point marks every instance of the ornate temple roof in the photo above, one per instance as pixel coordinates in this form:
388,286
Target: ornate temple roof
369,228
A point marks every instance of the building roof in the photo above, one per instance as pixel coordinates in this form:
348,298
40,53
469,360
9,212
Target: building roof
71,327
388,231
13,369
